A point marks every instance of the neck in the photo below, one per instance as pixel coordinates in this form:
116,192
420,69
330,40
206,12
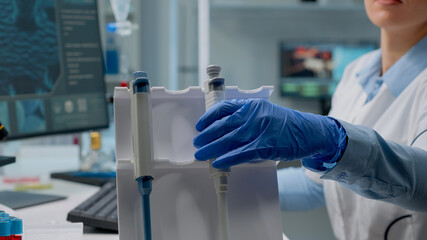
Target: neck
395,43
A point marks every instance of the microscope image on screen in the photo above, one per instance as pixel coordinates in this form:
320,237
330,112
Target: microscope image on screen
313,69
308,62
51,67
31,116
29,44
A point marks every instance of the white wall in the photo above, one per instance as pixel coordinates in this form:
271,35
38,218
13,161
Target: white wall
154,34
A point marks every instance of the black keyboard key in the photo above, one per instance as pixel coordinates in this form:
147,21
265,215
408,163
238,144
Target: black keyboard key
108,209
100,194
101,203
114,215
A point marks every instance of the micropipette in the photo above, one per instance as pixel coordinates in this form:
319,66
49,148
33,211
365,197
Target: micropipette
214,92
142,139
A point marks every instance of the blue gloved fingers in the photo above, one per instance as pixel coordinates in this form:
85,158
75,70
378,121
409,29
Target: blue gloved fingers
214,131
240,155
220,146
218,111
221,127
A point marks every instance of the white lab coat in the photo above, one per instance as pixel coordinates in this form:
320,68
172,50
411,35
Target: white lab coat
398,119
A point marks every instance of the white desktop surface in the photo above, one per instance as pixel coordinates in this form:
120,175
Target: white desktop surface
57,211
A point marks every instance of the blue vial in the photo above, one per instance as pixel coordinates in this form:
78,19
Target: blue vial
5,229
16,228
111,54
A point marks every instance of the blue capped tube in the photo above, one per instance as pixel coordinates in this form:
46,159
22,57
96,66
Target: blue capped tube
4,229
16,226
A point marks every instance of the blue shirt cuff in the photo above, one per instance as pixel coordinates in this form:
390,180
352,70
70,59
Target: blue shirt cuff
351,165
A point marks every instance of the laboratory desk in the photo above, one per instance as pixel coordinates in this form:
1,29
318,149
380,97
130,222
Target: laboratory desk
57,211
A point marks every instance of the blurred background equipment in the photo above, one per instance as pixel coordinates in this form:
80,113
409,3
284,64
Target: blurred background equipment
52,77
3,159
51,72
312,70
3,132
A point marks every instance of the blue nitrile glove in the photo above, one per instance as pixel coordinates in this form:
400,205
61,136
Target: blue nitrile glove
238,131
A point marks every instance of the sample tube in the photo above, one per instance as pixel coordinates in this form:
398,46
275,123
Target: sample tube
15,229
4,229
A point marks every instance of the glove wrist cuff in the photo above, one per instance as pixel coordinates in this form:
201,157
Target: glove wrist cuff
328,160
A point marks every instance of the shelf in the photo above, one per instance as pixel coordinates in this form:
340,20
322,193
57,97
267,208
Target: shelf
227,5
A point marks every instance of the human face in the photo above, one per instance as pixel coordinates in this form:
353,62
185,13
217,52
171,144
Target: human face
397,14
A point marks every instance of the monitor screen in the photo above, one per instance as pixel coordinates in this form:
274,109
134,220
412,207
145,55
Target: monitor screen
312,70
51,67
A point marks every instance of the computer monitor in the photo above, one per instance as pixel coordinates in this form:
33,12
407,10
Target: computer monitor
313,69
51,67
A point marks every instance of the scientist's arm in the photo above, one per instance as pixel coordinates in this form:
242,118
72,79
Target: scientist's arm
297,191
239,131
383,170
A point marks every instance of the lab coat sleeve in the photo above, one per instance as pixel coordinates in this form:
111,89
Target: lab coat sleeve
384,170
297,191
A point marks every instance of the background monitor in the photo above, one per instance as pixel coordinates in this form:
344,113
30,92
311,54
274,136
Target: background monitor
313,69
51,67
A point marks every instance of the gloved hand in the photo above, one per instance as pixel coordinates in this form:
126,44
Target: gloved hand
238,131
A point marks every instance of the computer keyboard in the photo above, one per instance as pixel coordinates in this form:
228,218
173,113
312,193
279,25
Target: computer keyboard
100,210
95,179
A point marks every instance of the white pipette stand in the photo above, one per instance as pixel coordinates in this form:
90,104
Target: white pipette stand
183,200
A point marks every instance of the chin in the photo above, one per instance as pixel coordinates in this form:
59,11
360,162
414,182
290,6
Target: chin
397,14
386,18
